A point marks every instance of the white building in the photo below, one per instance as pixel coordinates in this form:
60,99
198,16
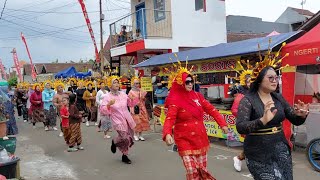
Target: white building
168,26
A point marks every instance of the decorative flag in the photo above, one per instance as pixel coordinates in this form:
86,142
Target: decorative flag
2,70
17,64
83,6
33,73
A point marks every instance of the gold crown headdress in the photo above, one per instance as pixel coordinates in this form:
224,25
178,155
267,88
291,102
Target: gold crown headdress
175,75
269,60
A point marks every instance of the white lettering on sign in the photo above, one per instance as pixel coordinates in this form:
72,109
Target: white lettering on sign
306,51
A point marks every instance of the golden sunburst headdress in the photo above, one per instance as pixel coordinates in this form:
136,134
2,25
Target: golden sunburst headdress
134,78
245,71
88,83
80,83
111,79
270,59
72,79
175,75
35,85
58,83
47,82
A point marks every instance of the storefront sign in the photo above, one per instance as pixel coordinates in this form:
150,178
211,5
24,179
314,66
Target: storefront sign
146,84
308,51
208,66
212,127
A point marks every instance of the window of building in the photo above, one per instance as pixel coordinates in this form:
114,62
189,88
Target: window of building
199,4
159,10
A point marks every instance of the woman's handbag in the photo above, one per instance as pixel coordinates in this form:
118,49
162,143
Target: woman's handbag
136,108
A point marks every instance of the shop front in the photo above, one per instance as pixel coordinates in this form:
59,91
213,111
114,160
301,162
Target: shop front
303,74
212,67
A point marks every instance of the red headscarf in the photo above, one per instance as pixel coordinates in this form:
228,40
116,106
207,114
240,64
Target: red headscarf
184,99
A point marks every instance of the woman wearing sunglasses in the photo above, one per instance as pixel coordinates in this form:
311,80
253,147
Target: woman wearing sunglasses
139,112
185,112
260,117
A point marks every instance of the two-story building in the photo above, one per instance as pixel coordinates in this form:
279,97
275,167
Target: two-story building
163,26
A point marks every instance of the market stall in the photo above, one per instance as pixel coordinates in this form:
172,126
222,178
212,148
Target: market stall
213,65
303,74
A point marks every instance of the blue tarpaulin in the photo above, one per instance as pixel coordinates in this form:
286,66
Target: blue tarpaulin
221,50
71,72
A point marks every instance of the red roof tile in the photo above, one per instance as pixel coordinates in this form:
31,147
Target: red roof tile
303,11
233,37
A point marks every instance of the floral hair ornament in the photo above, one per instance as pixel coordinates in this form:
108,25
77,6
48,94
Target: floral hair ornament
269,60
176,73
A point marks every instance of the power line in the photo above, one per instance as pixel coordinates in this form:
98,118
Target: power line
4,6
43,24
60,12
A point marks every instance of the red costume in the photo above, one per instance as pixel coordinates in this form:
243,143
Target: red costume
185,113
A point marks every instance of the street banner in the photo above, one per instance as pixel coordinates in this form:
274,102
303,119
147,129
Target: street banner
17,64
33,73
83,6
3,71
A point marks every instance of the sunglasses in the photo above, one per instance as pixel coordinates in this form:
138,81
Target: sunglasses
136,83
189,82
273,78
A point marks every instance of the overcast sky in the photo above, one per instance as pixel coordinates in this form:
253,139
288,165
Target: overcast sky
49,25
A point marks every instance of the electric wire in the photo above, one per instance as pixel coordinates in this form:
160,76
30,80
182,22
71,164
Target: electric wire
4,6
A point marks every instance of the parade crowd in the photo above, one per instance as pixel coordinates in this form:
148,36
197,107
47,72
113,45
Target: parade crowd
260,111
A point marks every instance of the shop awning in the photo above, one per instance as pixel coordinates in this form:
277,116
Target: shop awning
220,50
305,50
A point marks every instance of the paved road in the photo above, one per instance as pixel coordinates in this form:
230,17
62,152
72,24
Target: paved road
44,156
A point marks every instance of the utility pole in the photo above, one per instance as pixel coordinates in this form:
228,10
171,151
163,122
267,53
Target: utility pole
101,38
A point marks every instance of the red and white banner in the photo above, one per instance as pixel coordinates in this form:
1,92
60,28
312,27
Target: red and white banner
33,73
83,6
17,64
3,72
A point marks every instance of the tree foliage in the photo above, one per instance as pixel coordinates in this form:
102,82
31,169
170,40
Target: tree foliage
13,81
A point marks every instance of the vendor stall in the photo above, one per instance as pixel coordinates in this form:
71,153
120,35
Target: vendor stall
303,74
213,65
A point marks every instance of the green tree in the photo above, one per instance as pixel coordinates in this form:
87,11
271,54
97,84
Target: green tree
13,81
91,61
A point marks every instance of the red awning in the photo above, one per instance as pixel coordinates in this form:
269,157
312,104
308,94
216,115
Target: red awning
305,50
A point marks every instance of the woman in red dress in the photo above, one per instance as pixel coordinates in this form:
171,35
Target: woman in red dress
185,113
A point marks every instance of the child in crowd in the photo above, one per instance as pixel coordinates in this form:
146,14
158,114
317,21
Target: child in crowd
64,114
75,118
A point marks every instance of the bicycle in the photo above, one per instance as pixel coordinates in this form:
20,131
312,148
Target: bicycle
313,153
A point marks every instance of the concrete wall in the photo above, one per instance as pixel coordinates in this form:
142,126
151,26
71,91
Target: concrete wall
244,24
192,28
162,28
290,16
